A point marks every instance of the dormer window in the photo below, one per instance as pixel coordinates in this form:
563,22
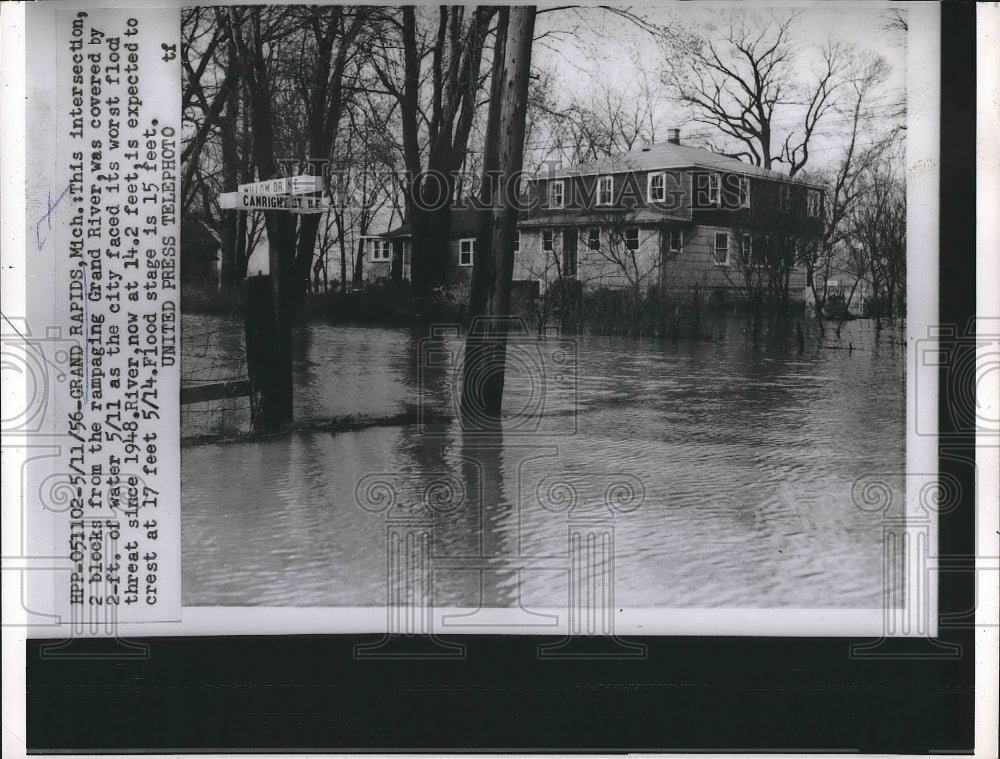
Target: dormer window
656,187
605,191
713,189
744,189
557,197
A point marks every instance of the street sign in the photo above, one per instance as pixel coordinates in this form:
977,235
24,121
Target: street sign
284,185
254,201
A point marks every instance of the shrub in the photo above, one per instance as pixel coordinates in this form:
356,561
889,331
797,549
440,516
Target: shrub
199,299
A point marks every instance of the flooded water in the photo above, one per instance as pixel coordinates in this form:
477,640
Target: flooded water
724,466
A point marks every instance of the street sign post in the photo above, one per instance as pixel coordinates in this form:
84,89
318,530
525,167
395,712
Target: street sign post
245,200
300,185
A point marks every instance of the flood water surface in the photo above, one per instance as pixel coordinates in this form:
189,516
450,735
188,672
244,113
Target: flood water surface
724,466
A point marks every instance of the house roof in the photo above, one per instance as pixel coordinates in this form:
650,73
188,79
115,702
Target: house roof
197,239
464,223
669,155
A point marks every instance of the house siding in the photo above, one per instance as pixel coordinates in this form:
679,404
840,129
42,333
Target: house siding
695,266
594,268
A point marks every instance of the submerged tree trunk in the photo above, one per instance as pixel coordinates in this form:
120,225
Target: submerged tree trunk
493,266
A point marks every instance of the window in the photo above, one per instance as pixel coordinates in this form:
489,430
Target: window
594,238
713,189
676,240
656,187
381,250
547,239
813,202
783,196
556,194
605,191
632,238
722,248
517,240
466,251
744,192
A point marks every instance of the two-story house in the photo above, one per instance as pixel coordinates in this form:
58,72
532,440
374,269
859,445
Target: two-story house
669,215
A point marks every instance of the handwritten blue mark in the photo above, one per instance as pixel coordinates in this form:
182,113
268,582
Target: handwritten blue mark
47,218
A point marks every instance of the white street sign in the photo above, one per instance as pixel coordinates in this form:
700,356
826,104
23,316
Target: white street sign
253,201
284,185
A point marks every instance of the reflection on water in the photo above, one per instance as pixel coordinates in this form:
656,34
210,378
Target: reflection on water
730,465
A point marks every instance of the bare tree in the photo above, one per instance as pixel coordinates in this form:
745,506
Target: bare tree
878,228
768,240
854,266
606,122
610,118
282,77
436,116
748,269
216,154
334,30
895,20
205,92
870,136
621,256
746,85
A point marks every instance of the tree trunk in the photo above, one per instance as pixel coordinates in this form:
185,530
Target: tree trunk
280,225
242,259
483,270
230,275
359,263
429,202
493,267
305,250
343,263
